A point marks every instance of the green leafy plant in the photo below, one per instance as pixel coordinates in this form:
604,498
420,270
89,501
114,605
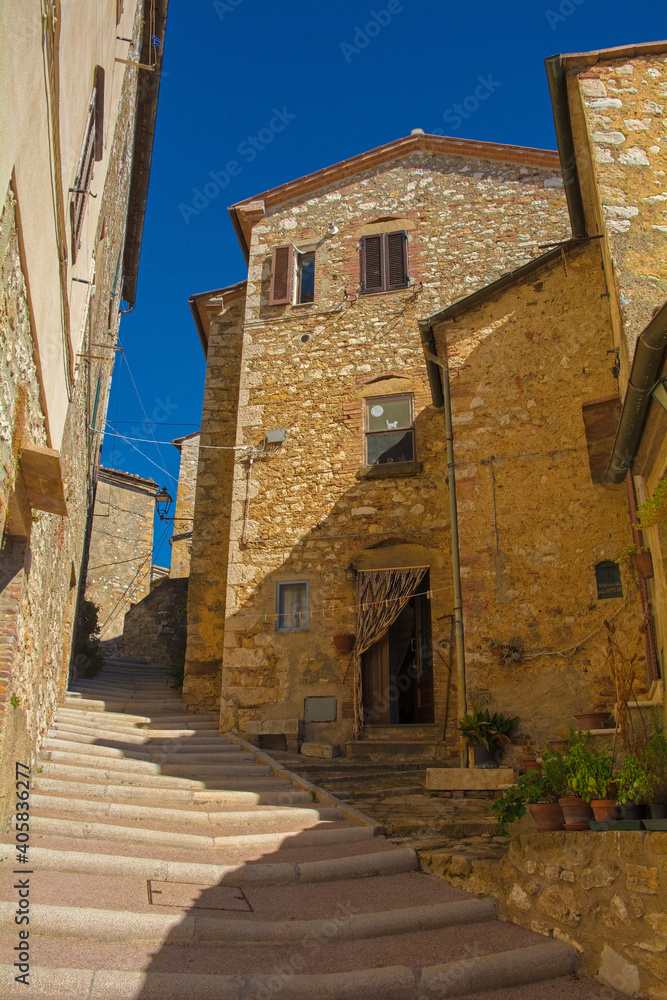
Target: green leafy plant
313,795
479,726
177,673
627,552
588,775
554,776
14,702
634,782
510,806
507,651
654,759
654,510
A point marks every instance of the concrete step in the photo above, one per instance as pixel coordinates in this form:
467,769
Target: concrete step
75,829
158,778
133,737
196,754
86,923
463,976
42,804
382,863
116,792
142,766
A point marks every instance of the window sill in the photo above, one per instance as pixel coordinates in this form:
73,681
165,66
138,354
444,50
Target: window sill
392,470
387,291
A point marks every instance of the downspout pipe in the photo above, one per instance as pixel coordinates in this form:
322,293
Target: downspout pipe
438,376
568,158
644,374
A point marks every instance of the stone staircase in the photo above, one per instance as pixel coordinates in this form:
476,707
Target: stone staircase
167,861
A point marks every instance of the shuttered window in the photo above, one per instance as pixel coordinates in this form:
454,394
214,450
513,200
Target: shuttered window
282,275
92,150
384,262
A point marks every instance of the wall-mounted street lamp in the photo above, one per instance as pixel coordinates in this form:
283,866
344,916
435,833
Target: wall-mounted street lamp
163,501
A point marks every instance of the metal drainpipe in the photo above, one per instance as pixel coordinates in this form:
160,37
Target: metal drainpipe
644,374
429,352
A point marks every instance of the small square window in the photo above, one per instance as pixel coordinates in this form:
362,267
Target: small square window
292,611
389,429
305,277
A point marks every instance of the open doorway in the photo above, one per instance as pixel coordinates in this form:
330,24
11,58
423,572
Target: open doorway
397,671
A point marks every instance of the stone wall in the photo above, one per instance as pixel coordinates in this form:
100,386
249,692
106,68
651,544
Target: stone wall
181,542
623,103
121,547
604,893
155,627
41,555
308,511
532,523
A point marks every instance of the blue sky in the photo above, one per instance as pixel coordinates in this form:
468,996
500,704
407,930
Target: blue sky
340,77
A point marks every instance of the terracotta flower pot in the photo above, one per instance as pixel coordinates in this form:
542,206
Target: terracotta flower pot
605,810
577,813
592,720
643,563
559,744
344,642
548,816
531,764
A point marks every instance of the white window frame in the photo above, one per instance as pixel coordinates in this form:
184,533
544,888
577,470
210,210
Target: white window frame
297,628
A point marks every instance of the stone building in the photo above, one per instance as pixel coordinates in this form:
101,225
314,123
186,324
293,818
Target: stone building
118,572
316,376
75,149
181,540
609,109
322,495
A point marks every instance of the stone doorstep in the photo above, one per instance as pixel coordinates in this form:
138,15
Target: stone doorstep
320,749
275,727
451,779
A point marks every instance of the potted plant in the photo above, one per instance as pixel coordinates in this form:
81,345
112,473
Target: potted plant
537,790
487,734
634,784
506,650
344,641
654,757
592,720
640,558
578,770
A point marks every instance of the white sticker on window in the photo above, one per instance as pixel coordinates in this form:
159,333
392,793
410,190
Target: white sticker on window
376,411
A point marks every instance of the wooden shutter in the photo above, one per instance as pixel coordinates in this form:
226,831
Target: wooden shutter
371,264
99,112
282,275
396,247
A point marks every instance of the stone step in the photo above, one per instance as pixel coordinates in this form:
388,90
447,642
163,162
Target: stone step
158,779
86,923
382,863
260,815
463,976
142,766
102,723
90,734
78,830
114,792
197,754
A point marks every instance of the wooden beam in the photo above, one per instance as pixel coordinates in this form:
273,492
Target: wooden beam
43,480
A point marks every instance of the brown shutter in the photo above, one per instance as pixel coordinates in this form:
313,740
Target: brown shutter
397,260
282,275
99,112
371,264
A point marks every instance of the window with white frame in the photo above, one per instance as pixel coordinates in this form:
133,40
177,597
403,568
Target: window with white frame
292,599
389,429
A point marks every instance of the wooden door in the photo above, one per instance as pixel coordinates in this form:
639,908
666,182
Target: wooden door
375,683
